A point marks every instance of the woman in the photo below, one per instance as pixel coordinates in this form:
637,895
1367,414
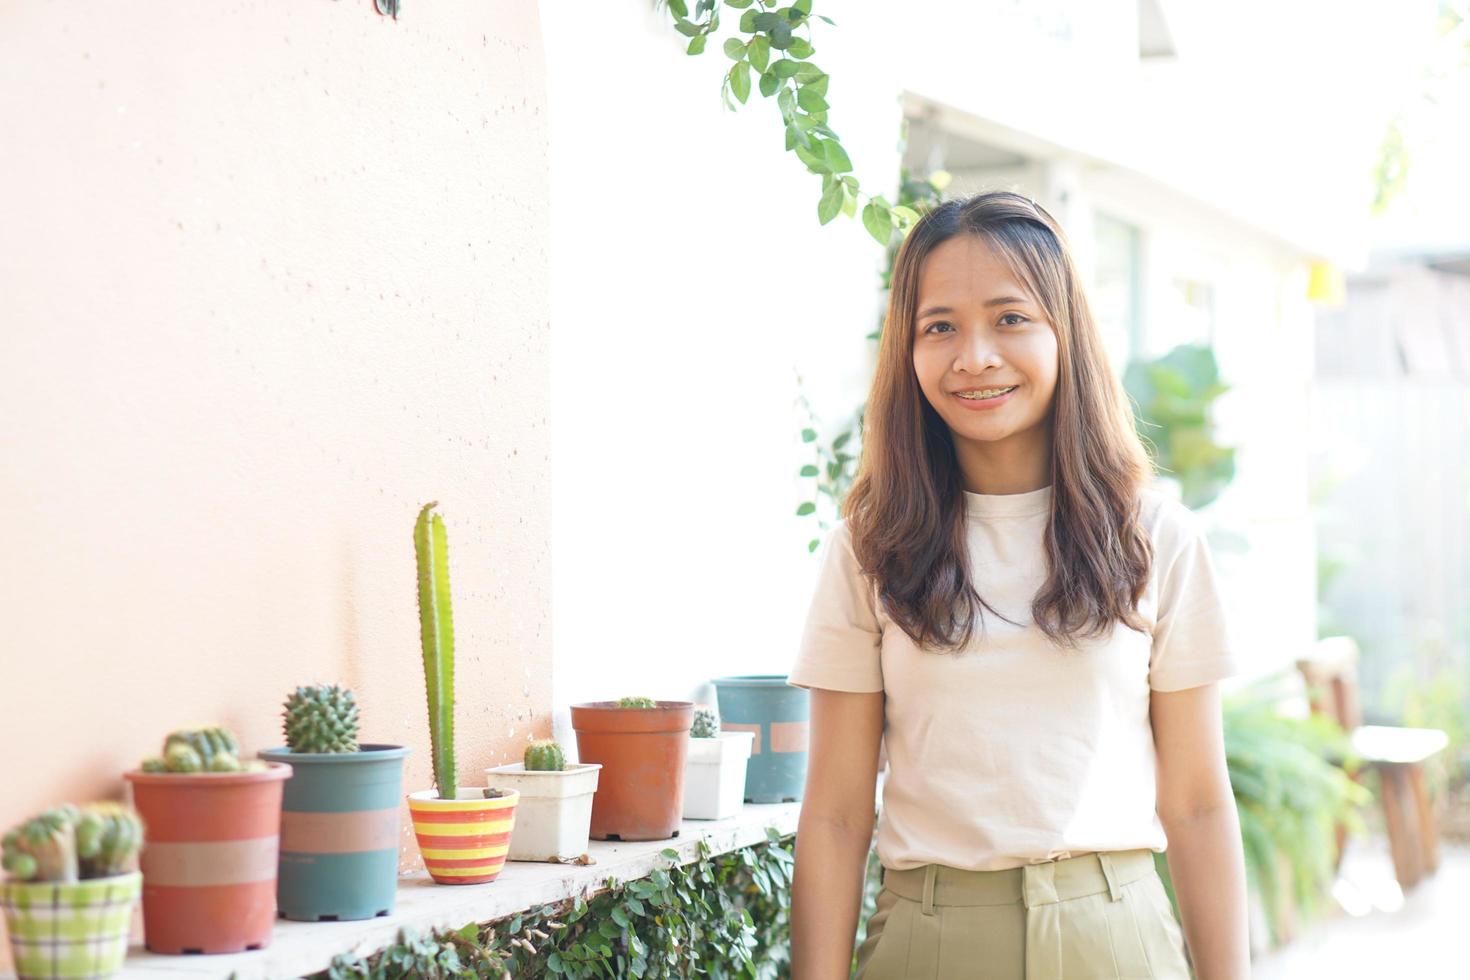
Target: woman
1035,634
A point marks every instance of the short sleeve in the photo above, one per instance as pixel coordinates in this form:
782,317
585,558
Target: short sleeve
841,643
1191,638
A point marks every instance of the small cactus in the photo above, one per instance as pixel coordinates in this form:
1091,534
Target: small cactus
70,843
44,848
197,750
637,703
108,836
545,756
706,722
321,719
182,757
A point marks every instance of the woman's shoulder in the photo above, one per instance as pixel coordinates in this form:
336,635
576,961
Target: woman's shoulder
1169,523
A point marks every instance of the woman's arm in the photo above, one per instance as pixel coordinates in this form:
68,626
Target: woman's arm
1197,809
834,832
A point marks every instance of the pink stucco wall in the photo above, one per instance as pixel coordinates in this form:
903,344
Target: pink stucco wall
272,275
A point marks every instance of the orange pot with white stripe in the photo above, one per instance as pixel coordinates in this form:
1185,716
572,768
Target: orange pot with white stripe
463,841
209,858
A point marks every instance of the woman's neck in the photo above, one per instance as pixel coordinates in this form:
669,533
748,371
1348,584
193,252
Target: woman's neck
1018,464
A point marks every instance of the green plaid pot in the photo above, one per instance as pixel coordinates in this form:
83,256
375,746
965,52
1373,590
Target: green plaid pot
70,930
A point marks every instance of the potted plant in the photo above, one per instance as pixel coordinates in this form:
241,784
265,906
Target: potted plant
778,714
642,746
211,844
339,818
71,886
554,816
463,834
714,775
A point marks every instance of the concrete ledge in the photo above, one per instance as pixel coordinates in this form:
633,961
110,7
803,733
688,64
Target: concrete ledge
299,948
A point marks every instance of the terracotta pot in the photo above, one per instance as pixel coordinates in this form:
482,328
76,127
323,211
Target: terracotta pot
80,929
210,849
463,841
642,752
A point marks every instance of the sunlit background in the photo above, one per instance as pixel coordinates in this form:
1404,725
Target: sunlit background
273,277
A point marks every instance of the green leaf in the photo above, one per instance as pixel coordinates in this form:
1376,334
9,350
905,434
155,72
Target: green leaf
813,545
802,6
737,4
819,84
758,52
814,160
679,8
827,19
807,72
810,101
620,917
696,44
841,441
747,21
800,47
849,201
909,215
554,964
806,508
808,435
837,159
827,209
785,68
876,220
740,80
809,469
670,853
734,48
688,28
769,84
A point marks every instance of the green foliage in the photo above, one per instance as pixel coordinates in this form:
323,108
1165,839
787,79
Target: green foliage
766,32
1172,397
544,755
436,634
637,703
720,916
1293,786
321,718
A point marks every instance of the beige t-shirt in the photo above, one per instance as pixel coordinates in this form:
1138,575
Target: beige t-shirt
1015,750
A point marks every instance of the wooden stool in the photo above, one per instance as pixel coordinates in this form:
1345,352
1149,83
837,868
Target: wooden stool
1396,754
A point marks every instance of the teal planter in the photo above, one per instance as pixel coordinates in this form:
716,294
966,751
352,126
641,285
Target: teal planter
339,833
779,715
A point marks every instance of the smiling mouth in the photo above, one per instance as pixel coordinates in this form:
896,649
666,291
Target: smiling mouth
984,394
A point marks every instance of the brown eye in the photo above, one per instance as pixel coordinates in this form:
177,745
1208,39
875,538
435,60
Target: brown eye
1019,319
933,327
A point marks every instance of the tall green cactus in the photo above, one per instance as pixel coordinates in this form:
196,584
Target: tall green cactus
436,627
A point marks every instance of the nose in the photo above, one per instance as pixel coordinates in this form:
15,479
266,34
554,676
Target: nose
977,353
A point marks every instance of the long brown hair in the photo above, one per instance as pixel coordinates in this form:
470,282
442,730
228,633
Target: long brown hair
906,509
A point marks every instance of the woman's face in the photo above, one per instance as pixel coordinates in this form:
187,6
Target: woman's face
978,331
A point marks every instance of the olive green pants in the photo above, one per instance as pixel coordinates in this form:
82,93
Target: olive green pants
1088,917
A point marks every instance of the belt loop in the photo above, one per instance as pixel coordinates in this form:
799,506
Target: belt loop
930,872
1115,890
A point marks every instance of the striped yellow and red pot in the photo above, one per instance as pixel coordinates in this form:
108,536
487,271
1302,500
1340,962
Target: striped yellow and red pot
209,858
463,841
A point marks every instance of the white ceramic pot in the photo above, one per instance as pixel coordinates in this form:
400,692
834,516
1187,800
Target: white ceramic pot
554,815
714,775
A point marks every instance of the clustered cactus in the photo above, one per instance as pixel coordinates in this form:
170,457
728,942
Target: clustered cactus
200,750
706,722
321,719
69,843
637,703
545,756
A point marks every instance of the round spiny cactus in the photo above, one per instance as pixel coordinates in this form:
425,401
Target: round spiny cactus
637,703
706,722
321,719
44,848
545,756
